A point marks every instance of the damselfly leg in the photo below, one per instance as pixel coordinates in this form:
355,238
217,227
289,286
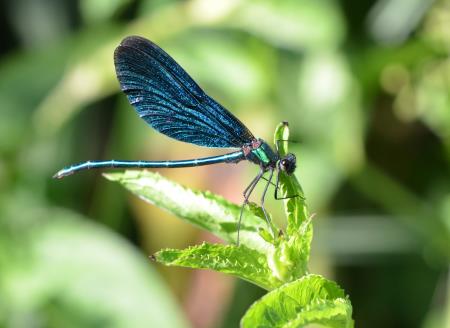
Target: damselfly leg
247,192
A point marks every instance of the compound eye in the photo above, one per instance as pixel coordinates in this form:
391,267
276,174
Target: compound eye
287,164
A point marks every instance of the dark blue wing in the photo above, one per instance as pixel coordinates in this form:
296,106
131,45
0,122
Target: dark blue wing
168,99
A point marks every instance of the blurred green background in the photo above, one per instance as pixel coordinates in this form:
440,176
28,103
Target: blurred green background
364,84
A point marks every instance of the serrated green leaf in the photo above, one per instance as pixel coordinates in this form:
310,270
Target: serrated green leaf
240,261
289,259
309,300
201,208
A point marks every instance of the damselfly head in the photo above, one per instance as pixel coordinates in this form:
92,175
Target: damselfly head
288,163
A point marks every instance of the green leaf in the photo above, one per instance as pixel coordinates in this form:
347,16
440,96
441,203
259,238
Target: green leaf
295,207
201,208
309,300
240,261
290,257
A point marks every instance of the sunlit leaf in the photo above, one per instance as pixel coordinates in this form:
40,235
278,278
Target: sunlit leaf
203,209
240,261
309,300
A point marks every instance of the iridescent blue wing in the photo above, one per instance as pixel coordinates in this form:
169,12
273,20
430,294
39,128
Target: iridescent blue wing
168,99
